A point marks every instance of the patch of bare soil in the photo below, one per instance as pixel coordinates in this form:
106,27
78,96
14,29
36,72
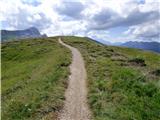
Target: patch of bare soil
75,107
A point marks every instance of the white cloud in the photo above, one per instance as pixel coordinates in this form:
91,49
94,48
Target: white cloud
37,17
147,31
82,17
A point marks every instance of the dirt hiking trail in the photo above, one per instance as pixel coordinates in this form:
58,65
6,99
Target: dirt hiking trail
75,106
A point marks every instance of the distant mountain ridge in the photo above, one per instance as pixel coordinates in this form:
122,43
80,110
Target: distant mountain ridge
31,32
152,46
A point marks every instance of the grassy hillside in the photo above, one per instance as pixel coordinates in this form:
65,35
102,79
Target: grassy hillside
34,74
124,83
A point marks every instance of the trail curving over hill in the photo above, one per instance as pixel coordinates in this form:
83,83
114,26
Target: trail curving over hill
75,107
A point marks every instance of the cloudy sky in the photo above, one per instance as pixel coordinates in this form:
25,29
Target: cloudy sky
110,20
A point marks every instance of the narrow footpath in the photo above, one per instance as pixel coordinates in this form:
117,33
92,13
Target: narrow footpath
75,107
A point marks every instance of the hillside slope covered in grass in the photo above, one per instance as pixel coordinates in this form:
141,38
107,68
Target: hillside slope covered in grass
34,74
123,83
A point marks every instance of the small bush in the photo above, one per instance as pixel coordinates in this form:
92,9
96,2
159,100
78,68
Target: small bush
156,72
138,61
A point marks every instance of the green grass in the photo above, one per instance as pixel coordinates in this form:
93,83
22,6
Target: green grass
123,83
34,78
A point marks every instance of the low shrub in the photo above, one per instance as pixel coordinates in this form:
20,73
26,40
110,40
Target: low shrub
137,61
156,72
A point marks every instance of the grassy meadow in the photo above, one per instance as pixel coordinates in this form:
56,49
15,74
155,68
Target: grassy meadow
34,78
123,83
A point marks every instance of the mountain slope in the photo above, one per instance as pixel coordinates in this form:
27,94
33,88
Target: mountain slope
123,83
152,46
20,34
34,78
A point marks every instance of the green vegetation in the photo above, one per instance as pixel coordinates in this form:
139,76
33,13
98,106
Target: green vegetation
34,78
138,61
124,83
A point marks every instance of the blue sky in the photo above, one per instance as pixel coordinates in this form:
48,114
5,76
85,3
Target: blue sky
110,20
